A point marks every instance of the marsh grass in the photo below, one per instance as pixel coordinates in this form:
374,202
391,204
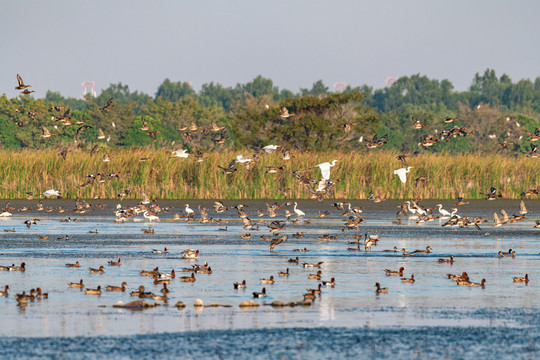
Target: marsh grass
164,177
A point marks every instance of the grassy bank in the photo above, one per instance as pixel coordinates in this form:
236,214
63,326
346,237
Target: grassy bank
173,178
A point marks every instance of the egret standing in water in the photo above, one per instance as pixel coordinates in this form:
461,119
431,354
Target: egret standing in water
443,212
402,173
325,169
189,211
150,216
297,211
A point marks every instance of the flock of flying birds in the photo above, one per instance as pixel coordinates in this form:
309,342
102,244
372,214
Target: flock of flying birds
317,188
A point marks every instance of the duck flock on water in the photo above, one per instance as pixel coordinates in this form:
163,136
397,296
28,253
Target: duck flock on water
275,223
263,221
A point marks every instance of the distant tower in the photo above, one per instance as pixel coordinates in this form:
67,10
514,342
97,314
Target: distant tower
340,86
390,81
85,86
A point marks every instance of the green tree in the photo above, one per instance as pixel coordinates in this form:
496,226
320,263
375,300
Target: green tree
317,89
122,96
173,91
318,123
258,87
215,94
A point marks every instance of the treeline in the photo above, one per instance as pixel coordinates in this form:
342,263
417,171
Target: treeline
494,110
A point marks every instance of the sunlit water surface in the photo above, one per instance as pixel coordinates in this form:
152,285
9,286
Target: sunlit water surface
348,320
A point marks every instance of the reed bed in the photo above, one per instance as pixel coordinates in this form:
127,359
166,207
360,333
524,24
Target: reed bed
164,177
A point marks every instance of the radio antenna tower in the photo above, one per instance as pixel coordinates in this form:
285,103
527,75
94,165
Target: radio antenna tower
85,86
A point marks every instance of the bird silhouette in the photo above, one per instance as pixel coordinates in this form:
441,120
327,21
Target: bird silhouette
21,83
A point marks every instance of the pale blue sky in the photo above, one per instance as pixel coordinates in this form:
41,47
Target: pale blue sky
57,45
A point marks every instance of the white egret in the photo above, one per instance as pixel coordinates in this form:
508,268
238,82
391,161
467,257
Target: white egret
402,173
150,217
182,153
243,159
297,211
325,169
189,210
270,148
51,192
442,211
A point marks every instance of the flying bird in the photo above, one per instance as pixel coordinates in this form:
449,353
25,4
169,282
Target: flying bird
80,130
101,134
216,128
271,148
51,192
450,119
181,153
63,153
534,136
376,141
222,138
199,157
21,83
152,134
403,159
402,173
45,132
492,194
95,149
325,168
533,153
108,106
145,126
276,242
230,169
284,113
417,123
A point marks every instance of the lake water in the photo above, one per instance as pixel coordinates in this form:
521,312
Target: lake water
433,317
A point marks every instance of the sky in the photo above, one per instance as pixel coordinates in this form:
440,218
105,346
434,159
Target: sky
56,45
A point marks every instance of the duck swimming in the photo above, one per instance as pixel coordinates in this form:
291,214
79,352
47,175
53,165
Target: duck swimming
117,288
93,291
260,294
268,281
380,290
521,279
78,285
101,270
241,285
394,272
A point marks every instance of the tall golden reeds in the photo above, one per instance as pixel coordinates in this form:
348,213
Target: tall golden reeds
164,177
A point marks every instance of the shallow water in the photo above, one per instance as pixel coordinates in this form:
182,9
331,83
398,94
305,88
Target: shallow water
433,304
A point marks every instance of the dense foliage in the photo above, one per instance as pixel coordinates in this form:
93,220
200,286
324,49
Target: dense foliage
493,110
